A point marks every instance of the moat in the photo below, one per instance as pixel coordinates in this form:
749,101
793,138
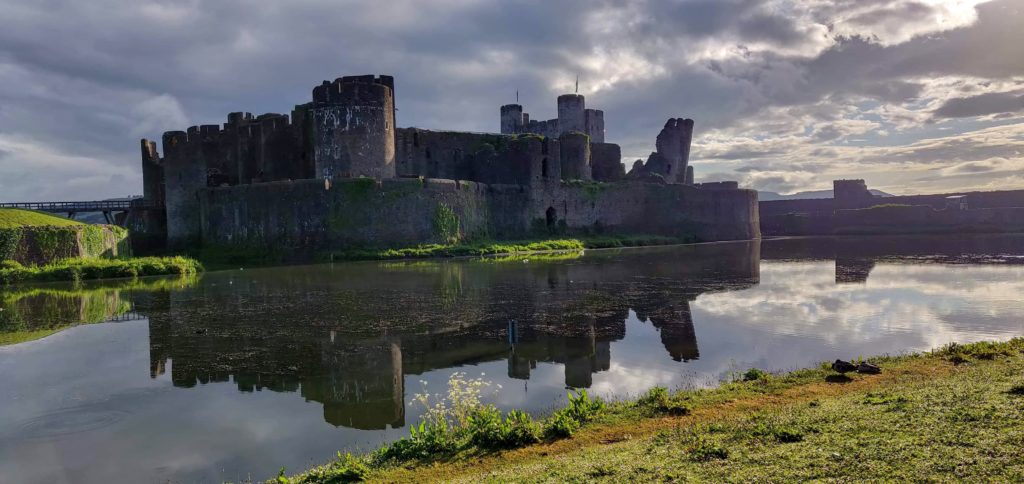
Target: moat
234,374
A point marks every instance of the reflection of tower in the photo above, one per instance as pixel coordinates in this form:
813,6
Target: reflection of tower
675,323
362,386
853,269
580,354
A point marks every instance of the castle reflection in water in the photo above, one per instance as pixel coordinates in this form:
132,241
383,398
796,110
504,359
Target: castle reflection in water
346,335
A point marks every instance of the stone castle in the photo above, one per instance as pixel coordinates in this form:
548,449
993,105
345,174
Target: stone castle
338,172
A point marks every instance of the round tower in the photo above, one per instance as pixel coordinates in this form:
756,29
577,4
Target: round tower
354,128
570,113
575,156
511,119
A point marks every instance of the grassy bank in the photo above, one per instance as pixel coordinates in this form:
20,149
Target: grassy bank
488,248
11,218
952,414
89,268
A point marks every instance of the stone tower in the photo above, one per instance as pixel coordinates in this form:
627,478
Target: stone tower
354,127
575,156
512,119
185,174
571,115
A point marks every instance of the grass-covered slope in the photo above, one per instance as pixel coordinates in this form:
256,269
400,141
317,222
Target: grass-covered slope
11,218
955,414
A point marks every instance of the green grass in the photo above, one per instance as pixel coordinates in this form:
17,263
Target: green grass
16,337
11,218
953,414
89,268
489,248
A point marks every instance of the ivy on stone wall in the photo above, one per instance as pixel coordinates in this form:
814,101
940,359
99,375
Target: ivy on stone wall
446,224
9,241
106,241
48,244
55,242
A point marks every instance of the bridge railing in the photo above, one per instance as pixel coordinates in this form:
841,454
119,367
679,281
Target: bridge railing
93,206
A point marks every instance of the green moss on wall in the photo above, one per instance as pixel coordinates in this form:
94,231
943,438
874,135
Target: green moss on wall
446,224
358,189
590,189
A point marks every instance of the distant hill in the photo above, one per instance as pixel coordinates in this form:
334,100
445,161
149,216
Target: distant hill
767,196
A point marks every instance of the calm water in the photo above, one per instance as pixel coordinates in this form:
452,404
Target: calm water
238,373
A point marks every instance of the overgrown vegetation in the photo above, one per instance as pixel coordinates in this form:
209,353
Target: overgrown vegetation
446,224
923,418
487,248
590,188
459,423
85,269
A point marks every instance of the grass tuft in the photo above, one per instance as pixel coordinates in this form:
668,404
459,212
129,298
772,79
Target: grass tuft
80,269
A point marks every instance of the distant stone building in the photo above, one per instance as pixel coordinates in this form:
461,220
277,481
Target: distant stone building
338,172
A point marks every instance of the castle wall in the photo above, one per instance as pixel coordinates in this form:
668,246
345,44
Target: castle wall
548,128
823,216
648,208
441,154
304,215
606,162
296,215
925,219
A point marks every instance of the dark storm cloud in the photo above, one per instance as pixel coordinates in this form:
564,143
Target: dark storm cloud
768,80
980,105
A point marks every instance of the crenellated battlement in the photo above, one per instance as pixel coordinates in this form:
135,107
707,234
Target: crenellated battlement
374,91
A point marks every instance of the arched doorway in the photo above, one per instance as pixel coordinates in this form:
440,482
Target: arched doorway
551,217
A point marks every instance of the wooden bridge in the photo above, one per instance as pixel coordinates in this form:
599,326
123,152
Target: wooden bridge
114,211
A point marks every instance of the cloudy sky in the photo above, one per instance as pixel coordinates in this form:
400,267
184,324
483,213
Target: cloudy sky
915,96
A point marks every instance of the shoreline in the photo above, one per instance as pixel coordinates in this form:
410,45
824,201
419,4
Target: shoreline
797,418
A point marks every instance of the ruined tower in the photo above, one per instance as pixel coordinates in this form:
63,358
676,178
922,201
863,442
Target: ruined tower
851,194
152,174
354,127
673,144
